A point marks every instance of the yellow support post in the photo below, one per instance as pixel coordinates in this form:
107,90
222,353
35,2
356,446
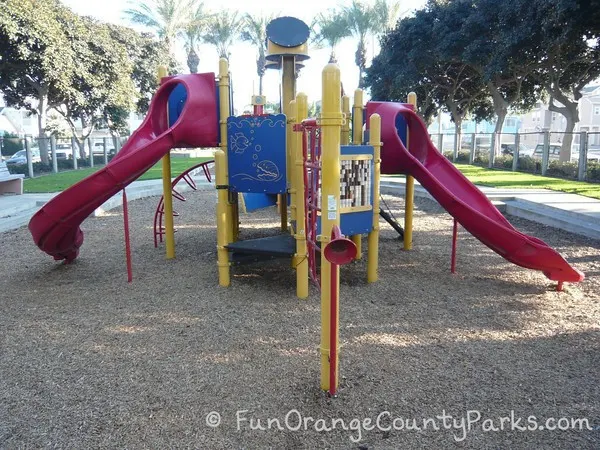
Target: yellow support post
357,118
357,138
223,115
167,191
223,217
347,119
291,163
301,256
288,92
410,191
373,250
225,212
331,124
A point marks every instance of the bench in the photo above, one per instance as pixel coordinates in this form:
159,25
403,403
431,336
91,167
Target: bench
9,183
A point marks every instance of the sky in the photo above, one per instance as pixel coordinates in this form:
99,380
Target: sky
243,55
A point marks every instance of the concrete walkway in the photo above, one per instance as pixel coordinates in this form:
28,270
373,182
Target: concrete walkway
17,210
569,212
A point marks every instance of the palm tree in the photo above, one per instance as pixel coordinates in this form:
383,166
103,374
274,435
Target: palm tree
192,36
329,29
255,32
387,14
362,20
168,18
221,31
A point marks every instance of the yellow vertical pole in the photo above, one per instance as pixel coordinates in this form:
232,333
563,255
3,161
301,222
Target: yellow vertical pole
291,162
410,192
357,118
357,138
223,115
301,256
373,250
167,191
223,218
225,228
288,92
331,124
347,118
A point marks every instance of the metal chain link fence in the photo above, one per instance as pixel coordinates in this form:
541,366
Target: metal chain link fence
33,156
574,156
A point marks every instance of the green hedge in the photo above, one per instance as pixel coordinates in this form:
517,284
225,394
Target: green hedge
593,172
462,157
62,164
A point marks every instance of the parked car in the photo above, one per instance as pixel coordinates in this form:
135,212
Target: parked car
21,157
64,151
98,148
554,151
482,142
509,149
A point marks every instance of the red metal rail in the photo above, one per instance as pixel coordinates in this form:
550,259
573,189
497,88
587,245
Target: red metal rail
159,229
311,153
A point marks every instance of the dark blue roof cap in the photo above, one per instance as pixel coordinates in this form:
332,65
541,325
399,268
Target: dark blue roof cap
287,31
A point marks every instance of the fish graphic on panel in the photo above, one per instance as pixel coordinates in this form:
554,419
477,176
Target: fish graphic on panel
256,153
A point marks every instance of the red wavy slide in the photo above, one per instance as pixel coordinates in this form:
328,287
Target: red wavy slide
56,226
460,197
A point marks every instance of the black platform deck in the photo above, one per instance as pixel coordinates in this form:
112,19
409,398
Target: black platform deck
282,245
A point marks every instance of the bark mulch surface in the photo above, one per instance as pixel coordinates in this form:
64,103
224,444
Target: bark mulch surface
88,360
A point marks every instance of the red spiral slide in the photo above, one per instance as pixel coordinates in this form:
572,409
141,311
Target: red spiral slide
56,226
460,197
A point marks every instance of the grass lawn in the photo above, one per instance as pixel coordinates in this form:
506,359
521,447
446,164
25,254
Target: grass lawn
520,180
478,175
61,181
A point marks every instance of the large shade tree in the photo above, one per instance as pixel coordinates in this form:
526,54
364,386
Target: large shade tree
412,60
145,54
94,91
36,60
571,56
476,33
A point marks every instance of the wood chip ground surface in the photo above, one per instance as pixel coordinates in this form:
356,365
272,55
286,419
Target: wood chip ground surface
90,361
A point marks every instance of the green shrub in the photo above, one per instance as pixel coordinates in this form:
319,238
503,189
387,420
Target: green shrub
481,159
593,172
528,164
61,164
503,162
562,170
462,157
38,167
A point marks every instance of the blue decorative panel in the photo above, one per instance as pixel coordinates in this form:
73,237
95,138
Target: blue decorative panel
256,153
258,201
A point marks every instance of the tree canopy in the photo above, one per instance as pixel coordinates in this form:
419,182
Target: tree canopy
92,73
483,56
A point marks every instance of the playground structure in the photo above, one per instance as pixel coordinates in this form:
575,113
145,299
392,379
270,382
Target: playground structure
305,165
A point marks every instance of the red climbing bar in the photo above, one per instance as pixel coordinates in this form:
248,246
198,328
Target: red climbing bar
454,239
